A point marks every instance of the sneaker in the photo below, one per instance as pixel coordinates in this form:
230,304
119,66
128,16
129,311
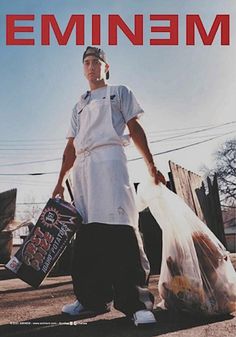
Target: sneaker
77,309
143,317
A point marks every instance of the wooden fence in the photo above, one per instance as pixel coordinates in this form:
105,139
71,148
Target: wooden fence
204,200
7,213
7,207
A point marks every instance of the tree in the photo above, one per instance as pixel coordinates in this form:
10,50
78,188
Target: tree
29,210
225,170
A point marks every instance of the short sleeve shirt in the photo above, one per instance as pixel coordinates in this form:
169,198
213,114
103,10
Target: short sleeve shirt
124,107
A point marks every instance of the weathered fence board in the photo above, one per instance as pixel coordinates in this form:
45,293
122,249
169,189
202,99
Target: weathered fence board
7,207
191,188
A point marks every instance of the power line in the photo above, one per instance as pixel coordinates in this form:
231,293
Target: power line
192,132
134,159
58,140
28,174
32,149
29,143
31,203
183,147
36,184
31,140
154,141
194,137
31,162
184,129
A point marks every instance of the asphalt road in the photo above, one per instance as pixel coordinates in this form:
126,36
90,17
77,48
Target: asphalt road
25,311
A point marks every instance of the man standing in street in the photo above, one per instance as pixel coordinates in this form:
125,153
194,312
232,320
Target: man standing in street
109,263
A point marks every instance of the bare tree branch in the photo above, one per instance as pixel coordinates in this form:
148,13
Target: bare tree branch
225,169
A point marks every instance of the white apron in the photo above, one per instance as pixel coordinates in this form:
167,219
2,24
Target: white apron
101,186
102,190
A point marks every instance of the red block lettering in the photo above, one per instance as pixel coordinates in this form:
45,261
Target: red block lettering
96,29
195,20
38,232
172,29
30,249
116,21
39,258
45,245
62,38
11,29
42,249
36,240
48,237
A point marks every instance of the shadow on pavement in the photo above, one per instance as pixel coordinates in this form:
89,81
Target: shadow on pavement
60,326
30,289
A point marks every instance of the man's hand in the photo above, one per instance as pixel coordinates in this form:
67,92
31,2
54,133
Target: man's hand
58,192
157,175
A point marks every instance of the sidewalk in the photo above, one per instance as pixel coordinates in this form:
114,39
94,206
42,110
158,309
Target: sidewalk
36,313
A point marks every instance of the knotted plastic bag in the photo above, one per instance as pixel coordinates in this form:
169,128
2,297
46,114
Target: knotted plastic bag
196,272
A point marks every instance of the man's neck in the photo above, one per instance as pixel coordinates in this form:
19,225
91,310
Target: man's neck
97,85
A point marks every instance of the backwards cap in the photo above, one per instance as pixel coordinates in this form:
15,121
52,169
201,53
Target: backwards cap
97,52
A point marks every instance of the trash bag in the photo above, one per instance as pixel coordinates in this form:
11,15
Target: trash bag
196,275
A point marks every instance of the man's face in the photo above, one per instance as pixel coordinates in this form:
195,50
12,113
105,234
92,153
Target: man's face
95,69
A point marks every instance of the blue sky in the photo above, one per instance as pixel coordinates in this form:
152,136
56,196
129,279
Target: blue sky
179,87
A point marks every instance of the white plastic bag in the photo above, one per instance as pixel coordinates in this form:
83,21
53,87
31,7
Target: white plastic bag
196,272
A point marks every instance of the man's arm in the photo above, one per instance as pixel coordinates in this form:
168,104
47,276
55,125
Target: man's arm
67,163
140,140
